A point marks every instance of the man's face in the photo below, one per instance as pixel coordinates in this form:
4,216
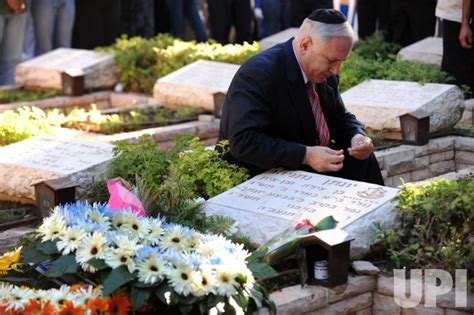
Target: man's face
320,61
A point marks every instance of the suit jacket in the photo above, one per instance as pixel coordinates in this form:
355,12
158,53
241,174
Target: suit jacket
267,115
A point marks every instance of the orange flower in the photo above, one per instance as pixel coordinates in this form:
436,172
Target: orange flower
118,305
69,309
98,306
33,307
47,308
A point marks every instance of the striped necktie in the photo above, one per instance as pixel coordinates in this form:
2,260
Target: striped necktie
321,126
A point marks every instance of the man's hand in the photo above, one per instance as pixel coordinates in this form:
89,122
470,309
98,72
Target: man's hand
361,147
465,36
323,159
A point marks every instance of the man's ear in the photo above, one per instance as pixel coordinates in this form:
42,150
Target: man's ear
306,43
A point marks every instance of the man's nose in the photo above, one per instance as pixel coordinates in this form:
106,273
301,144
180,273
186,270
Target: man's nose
335,68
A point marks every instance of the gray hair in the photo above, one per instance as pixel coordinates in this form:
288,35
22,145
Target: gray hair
323,32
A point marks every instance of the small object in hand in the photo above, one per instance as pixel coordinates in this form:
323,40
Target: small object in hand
17,6
321,270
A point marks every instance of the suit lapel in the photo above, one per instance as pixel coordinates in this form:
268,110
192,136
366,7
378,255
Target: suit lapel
298,95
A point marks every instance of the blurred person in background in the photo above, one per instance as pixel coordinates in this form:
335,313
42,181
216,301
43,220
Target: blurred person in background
274,15
300,9
372,16
97,23
53,21
225,13
13,17
458,56
411,20
137,18
189,9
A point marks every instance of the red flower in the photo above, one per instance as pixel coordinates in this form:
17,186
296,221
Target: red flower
98,306
69,309
306,223
118,305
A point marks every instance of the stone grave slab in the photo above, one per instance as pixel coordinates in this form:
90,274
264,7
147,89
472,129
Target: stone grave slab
277,38
45,70
47,157
428,50
379,103
270,203
194,84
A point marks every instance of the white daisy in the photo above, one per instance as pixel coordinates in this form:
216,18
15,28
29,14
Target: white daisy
92,246
19,297
119,219
96,217
207,284
117,257
52,228
5,292
226,283
71,239
152,269
126,242
175,237
155,231
136,227
183,278
59,296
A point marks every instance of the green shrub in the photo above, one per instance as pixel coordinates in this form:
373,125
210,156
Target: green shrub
10,96
205,172
375,47
143,61
27,122
437,220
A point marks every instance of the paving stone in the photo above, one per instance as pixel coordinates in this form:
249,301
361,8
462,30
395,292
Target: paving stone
420,174
348,306
422,310
355,285
295,300
362,267
385,305
442,167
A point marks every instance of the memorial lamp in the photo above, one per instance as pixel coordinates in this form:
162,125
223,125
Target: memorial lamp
219,99
415,127
324,258
73,82
54,192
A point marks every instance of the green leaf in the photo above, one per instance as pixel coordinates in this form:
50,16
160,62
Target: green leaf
262,271
63,265
185,309
32,255
139,297
326,223
98,264
115,279
48,248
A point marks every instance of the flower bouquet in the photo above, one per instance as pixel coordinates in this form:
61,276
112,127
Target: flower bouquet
146,263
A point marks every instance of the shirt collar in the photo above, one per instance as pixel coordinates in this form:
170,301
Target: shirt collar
305,78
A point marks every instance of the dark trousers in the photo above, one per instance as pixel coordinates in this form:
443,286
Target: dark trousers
411,20
372,15
458,61
367,170
97,23
300,9
225,13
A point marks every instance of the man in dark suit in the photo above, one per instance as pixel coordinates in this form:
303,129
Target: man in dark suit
283,107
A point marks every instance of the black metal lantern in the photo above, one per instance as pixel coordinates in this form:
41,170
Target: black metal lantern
324,258
73,82
415,127
219,99
51,193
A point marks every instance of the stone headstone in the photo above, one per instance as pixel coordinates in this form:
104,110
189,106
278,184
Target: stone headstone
194,84
47,157
275,201
45,70
379,103
277,38
428,50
